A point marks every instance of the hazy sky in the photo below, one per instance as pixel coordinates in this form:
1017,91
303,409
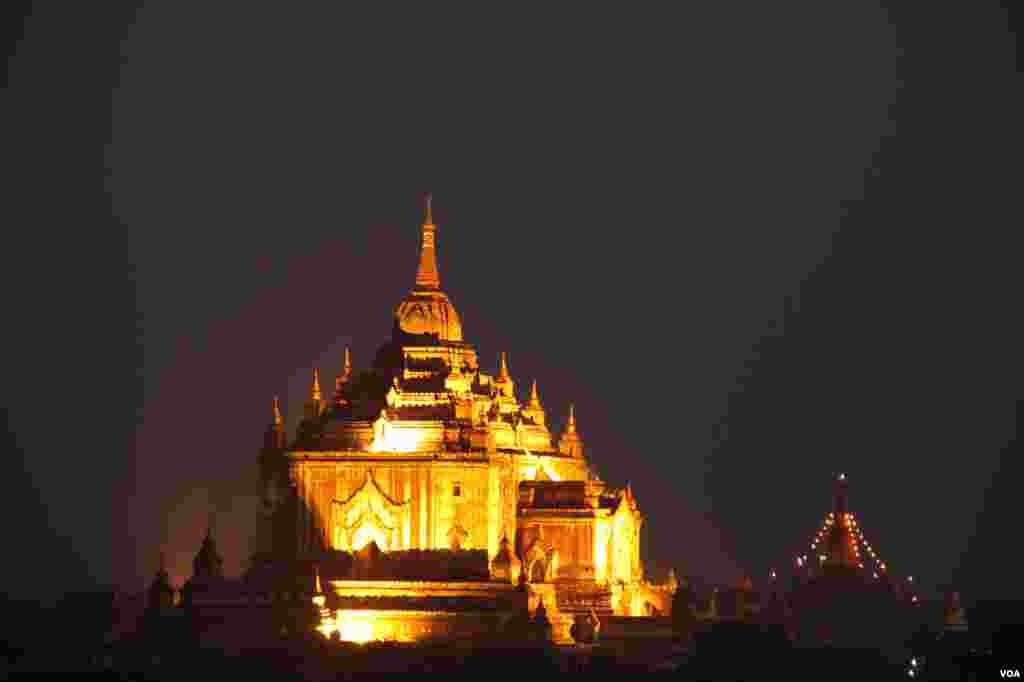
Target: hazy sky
626,200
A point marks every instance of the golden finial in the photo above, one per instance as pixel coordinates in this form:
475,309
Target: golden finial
316,384
503,369
343,378
571,426
278,419
427,276
534,396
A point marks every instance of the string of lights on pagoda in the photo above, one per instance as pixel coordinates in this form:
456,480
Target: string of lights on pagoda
864,558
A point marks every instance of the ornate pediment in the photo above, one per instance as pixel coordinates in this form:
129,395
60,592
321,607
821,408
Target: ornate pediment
368,515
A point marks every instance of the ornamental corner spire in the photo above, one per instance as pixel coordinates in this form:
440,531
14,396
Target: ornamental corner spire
342,379
534,396
427,275
278,418
316,385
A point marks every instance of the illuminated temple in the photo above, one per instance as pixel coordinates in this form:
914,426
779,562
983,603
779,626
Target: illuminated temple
427,499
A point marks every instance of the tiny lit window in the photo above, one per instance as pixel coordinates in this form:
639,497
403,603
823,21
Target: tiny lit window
457,490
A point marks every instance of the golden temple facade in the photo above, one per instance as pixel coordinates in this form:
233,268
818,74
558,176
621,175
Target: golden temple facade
426,450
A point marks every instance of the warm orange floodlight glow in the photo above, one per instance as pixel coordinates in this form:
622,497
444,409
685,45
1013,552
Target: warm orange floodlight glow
398,440
358,631
358,627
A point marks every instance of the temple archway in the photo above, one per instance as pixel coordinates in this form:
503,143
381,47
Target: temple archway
368,533
538,571
458,538
538,563
368,515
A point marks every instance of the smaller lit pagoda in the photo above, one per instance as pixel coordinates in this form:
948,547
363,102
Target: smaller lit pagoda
839,548
845,592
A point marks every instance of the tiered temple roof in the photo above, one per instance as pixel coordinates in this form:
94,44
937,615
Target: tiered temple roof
427,374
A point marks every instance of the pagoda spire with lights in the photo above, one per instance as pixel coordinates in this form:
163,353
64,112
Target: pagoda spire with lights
840,547
844,593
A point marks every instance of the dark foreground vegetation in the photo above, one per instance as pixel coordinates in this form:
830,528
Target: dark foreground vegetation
74,635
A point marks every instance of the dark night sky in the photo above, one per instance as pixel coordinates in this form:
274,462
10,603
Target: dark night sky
627,199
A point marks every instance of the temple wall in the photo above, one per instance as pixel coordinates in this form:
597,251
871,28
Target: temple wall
435,498
624,546
572,539
460,496
410,626
414,621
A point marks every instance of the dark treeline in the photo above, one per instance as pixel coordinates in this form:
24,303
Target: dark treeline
81,626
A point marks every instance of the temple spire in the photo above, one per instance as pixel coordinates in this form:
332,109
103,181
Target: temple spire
503,367
427,275
571,443
840,502
275,437
278,418
316,385
343,378
839,542
534,397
